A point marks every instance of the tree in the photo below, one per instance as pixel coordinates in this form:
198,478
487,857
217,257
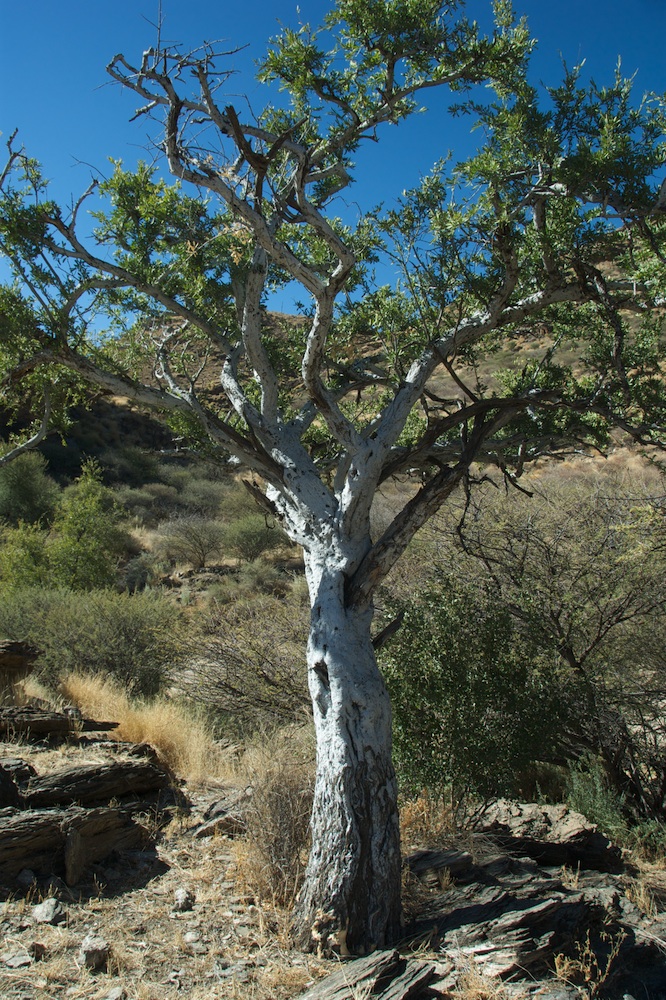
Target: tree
556,224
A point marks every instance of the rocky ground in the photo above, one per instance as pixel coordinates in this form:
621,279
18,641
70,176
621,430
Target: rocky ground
535,904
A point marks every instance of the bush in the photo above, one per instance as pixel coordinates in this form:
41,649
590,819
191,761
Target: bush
204,497
474,701
27,493
582,571
280,771
130,465
23,557
139,639
191,539
588,791
251,536
251,668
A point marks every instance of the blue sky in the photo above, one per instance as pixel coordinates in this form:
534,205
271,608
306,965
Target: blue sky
54,87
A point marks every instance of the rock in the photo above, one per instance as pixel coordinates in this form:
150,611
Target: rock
551,834
51,911
20,770
94,952
17,961
383,974
183,900
223,826
117,993
26,877
502,936
224,817
9,791
429,865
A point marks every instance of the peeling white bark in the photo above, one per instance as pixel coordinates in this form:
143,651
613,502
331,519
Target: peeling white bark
350,901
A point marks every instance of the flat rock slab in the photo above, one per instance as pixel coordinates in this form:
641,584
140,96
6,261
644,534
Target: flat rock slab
88,783
63,841
383,975
551,834
29,721
508,918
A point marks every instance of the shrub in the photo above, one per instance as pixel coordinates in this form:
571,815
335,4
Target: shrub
130,464
191,539
473,700
582,571
203,496
23,557
87,541
280,770
140,572
251,536
27,493
139,639
251,668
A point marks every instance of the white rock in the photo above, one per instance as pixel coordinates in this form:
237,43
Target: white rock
94,952
51,911
183,900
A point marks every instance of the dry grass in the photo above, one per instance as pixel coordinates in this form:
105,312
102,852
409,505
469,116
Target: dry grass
587,970
270,862
475,986
427,819
182,737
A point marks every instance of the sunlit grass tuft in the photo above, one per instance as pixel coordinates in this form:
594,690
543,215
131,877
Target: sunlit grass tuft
180,734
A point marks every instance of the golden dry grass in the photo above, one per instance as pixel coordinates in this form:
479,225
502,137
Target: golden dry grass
183,738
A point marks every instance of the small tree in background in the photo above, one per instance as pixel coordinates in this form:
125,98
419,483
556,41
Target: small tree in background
191,538
250,536
87,541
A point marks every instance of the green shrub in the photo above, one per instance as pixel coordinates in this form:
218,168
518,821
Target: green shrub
251,536
27,492
474,701
587,791
81,551
140,572
130,465
23,556
204,497
139,639
191,539
87,541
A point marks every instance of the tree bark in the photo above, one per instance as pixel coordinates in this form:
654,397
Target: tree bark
350,901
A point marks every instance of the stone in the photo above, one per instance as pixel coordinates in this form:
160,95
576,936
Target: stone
26,877
551,834
18,961
94,952
116,993
51,911
183,900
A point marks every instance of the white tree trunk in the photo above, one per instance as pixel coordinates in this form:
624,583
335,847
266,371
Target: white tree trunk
350,901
